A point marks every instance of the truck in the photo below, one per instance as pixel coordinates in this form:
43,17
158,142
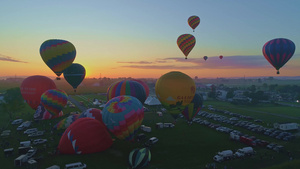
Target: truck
21,160
223,155
244,152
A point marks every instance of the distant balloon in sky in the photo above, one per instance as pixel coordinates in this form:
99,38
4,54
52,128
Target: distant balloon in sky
175,90
278,52
186,43
193,21
205,58
74,75
221,57
58,55
54,100
33,87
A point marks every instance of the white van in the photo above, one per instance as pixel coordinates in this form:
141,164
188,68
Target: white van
78,165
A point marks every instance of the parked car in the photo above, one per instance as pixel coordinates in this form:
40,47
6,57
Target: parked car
39,141
151,141
38,133
30,131
17,121
31,152
24,125
78,165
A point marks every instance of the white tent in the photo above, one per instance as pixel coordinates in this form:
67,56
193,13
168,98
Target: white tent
152,101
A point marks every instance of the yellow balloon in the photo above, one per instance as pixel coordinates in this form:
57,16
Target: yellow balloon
175,90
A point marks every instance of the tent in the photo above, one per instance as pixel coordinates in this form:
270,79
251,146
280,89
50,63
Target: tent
152,101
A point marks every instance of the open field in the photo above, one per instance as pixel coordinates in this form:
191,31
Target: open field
182,147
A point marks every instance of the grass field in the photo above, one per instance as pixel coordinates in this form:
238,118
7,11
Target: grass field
182,147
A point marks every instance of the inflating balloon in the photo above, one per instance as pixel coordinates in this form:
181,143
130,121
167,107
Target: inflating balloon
33,87
278,52
92,113
42,114
58,55
186,43
74,75
144,85
139,158
175,90
193,21
127,87
54,100
66,122
84,136
123,116
191,110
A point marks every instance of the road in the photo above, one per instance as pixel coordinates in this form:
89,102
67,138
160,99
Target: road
77,104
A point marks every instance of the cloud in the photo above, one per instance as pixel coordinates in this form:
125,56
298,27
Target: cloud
140,62
10,59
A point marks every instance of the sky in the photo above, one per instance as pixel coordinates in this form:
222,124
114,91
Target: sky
137,38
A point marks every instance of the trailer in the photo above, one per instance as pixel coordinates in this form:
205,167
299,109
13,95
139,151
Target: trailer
21,160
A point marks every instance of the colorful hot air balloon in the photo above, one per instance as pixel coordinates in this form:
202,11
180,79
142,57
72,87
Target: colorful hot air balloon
221,57
33,87
205,58
66,122
193,21
42,114
175,90
278,52
58,55
144,85
191,110
85,136
92,113
127,87
186,43
54,100
123,116
74,75
139,158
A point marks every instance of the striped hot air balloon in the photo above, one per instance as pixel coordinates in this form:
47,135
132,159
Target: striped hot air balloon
278,52
123,116
193,21
57,54
191,110
54,100
139,158
186,43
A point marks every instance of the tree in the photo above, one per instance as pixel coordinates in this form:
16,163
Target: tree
13,101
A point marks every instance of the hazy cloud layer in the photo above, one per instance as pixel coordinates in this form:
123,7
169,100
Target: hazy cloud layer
213,62
140,62
10,59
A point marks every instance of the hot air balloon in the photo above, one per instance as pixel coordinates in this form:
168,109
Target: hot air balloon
278,52
139,158
205,58
74,75
175,90
144,85
193,21
85,136
191,110
127,87
54,100
66,122
33,87
58,55
221,57
123,116
42,114
92,113
186,43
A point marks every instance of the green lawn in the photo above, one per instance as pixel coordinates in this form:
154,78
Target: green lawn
182,147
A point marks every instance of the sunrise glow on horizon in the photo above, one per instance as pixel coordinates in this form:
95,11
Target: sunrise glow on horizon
138,39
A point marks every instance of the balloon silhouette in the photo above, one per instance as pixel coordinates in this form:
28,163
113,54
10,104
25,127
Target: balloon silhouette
74,75
186,43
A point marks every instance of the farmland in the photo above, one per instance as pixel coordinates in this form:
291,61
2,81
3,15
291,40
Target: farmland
183,147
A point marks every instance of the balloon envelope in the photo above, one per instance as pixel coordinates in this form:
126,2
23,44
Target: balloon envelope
127,87
175,90
191,110
123,116
66,122
54,100
42,114
33,87
139,158
205,58
144,85
92,113
186,43
221,57
57,54
85,136
74,75
193,21
278,52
